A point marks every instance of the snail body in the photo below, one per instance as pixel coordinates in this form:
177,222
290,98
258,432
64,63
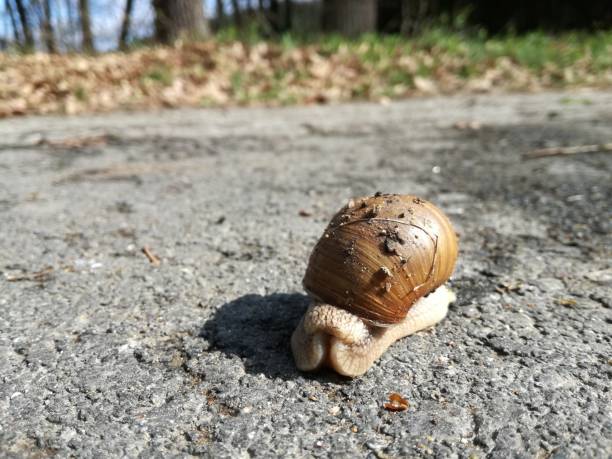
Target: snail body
375,276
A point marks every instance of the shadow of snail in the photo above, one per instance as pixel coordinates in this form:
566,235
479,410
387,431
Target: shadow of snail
258,330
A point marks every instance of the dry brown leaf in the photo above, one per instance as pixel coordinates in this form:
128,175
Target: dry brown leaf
396,403
224,74
425,85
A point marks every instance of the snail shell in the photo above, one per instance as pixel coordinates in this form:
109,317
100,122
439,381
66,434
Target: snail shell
380,254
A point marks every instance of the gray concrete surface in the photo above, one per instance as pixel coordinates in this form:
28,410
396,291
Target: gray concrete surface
106,355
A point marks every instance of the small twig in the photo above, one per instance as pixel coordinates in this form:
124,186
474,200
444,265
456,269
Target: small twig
74,143
121,172
151,256
574,150
39,276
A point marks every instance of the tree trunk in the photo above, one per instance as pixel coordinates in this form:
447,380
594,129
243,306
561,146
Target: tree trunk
220,13
14,25
237,15
87,37
288,15
349,17
47,28
69,39
176,19
274,16
125,24
25,25
416,14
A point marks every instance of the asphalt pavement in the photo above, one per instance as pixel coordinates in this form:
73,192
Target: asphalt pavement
108,351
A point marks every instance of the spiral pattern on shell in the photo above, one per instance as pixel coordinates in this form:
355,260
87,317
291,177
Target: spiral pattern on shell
380,254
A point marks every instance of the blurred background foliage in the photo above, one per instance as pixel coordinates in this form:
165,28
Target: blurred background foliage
72,56
87,25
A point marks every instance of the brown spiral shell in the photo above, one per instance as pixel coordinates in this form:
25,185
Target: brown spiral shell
380,254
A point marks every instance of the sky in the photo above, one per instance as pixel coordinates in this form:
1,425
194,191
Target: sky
106,19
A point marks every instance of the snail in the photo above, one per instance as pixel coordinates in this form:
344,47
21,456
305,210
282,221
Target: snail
376,275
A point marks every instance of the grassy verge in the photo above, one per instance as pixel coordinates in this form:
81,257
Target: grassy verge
292,70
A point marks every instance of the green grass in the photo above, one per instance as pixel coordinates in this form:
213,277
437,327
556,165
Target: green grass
160,74
533,50
462,53
80,93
